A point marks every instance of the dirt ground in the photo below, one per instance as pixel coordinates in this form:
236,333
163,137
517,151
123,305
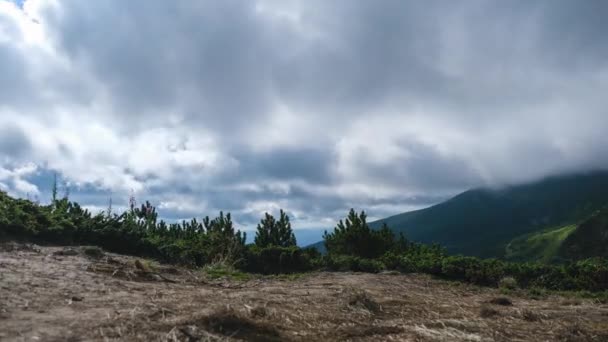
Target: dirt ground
78,294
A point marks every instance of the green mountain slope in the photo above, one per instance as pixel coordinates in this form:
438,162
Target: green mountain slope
590,239
540,246
482,222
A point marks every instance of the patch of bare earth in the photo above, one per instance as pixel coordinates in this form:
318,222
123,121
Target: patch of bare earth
76,294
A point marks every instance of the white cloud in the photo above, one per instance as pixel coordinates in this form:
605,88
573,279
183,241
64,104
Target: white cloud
313,106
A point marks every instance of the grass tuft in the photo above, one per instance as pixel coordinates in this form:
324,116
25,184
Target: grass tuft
363,300
504,301
92,251
229,322
488,312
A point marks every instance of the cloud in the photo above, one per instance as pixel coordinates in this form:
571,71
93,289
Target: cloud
14,181
311,106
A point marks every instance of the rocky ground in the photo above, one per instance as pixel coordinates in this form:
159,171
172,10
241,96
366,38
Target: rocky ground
83,294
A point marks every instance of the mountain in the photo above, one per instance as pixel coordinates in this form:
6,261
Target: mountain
482,222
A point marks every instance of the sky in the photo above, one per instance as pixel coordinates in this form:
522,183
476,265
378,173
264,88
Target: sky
313,106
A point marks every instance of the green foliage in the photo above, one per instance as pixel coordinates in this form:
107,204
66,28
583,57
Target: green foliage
135,232
223,241
589,239
507,283
271,232
54,190
540,246
353,246
345,263
277,259
354,237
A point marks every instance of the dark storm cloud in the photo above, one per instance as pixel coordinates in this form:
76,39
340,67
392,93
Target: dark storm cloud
313,165
423,167
209,58
367,53
574,33
314,106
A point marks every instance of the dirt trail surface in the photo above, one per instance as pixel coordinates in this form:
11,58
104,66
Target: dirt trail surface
79,294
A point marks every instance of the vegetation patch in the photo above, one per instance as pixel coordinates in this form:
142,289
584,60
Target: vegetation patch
539,246
217,271
231,323
363,300
504,301
530,315
217,246
508,283
488,312
92,251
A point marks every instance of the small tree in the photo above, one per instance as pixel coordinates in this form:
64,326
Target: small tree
353,236
109,210
271,232
223,242
54,191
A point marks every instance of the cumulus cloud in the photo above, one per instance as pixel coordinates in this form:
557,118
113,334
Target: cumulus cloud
312,106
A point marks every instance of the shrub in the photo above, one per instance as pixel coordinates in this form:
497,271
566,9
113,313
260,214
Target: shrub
344,263
487,312
271,232
354,237
92,251
461,268
537,293
508,283
504,301
362,299
276,259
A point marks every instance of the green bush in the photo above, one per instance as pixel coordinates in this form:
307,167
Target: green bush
508,283
272,232
345,263
353,236
276,260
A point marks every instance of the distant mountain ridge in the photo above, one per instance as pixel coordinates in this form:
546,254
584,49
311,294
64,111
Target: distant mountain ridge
482,222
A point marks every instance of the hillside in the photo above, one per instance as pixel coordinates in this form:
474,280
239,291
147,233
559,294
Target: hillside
543,246
590,239
73,294
482,222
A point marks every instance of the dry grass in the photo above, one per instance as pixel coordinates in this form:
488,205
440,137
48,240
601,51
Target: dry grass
49,297
530,315
488,312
